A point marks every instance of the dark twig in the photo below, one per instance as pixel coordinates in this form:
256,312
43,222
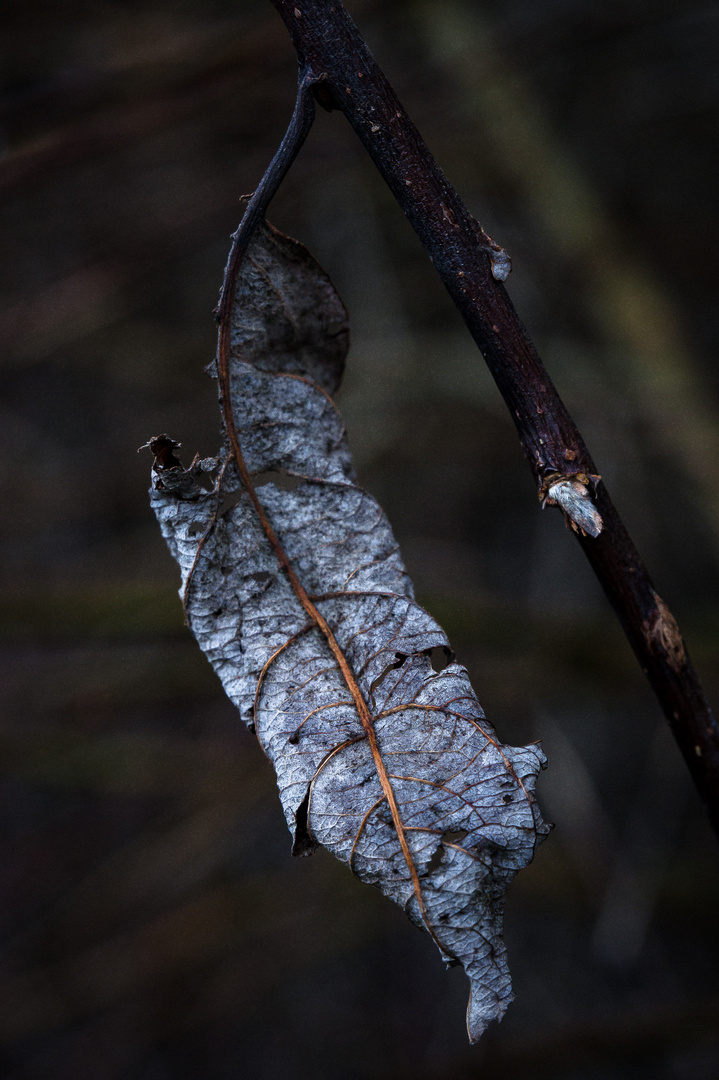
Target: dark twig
472,266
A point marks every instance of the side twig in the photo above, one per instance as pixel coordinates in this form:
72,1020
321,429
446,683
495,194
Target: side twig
331,50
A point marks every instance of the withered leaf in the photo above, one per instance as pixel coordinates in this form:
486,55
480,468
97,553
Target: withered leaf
389,764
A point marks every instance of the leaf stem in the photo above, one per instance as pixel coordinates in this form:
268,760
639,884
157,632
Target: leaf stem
295,136
297,131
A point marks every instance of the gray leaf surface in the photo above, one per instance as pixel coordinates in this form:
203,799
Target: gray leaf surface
466,819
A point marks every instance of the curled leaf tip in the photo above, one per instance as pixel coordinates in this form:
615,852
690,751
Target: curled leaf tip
163,451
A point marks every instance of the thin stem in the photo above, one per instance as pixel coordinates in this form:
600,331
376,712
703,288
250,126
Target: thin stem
328,44
297,131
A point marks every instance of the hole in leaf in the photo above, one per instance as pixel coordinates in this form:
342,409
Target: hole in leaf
279,477
204,480
230,501
440,657
196,528
451,836
436,859
261,577
400,659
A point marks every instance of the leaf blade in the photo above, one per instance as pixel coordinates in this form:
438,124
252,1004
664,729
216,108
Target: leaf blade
301,602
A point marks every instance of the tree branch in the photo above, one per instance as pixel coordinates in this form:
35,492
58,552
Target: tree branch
472,268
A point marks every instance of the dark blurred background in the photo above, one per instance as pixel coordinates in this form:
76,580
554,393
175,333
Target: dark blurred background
154,926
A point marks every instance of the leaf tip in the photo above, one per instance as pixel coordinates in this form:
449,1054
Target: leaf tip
483,1007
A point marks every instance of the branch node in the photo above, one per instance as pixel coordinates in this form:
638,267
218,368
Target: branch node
501,263
571,493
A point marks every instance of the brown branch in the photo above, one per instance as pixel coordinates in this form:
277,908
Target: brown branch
298,130
472,266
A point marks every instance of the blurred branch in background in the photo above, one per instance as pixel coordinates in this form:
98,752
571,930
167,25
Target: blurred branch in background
144,938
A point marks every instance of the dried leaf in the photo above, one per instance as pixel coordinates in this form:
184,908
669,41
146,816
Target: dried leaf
388,763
